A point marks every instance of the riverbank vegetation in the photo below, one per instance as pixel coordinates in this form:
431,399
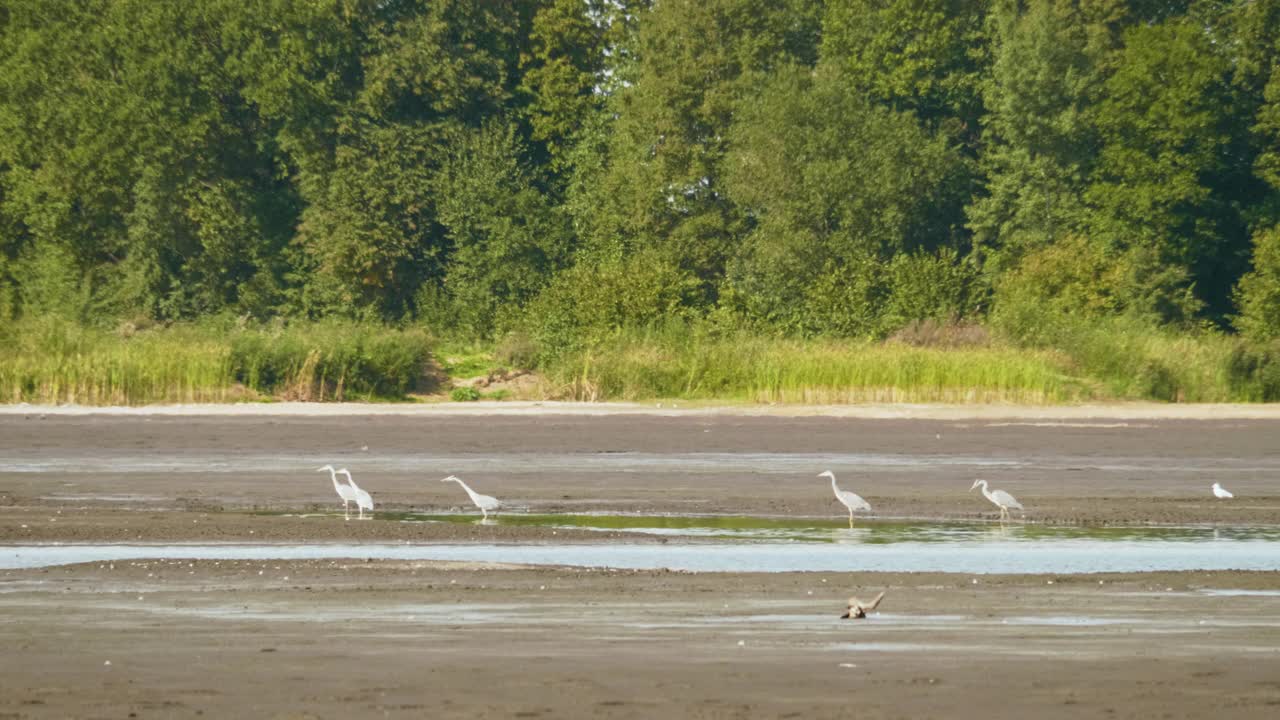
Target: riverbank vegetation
798,201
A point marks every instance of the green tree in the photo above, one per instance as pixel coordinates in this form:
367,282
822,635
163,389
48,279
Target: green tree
1048,62
559,74
836,186
922,56
370,227
1258,293
505,237
1168,176
660,183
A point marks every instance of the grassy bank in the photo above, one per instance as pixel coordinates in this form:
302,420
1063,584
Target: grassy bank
53,362
1101,362
49,361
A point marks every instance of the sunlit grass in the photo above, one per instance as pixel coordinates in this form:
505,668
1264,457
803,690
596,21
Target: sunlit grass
53,362
48,361
1136,361
673,363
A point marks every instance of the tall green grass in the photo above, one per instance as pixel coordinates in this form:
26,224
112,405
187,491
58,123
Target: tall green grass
51,361
1132,359
1116,360
678,361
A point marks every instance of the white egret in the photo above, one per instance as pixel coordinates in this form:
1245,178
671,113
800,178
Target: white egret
1002,499
1221,492
850,500
344,491
858,609
484,502
363,500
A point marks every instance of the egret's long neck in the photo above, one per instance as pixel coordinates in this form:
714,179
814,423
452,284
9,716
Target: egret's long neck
834,487
470,493
351,482
986,491
333,475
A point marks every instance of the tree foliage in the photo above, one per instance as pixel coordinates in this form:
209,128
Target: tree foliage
568,167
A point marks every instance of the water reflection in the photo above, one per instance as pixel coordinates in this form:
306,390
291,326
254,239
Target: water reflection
851,536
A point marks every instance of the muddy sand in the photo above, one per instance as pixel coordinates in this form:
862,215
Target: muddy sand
351,638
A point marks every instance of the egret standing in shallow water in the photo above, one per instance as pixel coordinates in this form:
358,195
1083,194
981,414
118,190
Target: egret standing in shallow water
850,500
344,491
484,502
363,500
1002,499
1221,492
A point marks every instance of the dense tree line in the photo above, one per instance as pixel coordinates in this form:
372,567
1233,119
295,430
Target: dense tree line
565,167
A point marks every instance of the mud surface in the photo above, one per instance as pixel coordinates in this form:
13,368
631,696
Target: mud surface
1117,471
348,638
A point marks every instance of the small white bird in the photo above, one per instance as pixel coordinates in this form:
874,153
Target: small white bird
858,610
344,491
1221,492
850,500
1002,499
484,502
363,500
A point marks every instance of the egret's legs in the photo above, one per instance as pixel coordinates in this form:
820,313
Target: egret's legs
850,518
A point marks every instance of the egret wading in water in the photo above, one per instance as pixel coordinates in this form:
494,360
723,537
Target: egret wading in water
858,609
1221,492
344,491
850,500
1002,499
363,500
484,502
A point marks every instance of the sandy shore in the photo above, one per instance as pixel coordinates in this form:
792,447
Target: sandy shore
350,638
918,411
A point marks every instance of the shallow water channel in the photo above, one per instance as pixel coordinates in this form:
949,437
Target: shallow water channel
742,544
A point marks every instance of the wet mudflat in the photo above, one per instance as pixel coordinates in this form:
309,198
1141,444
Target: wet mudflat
344,638
1113,470
359,636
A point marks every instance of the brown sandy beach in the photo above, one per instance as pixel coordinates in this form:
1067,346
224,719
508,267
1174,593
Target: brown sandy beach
350,638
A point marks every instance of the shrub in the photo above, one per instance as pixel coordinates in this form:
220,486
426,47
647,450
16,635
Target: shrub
1075,278
1254,371
1258,292
586,303
465,393
939,334
332,360
926,286
516,349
